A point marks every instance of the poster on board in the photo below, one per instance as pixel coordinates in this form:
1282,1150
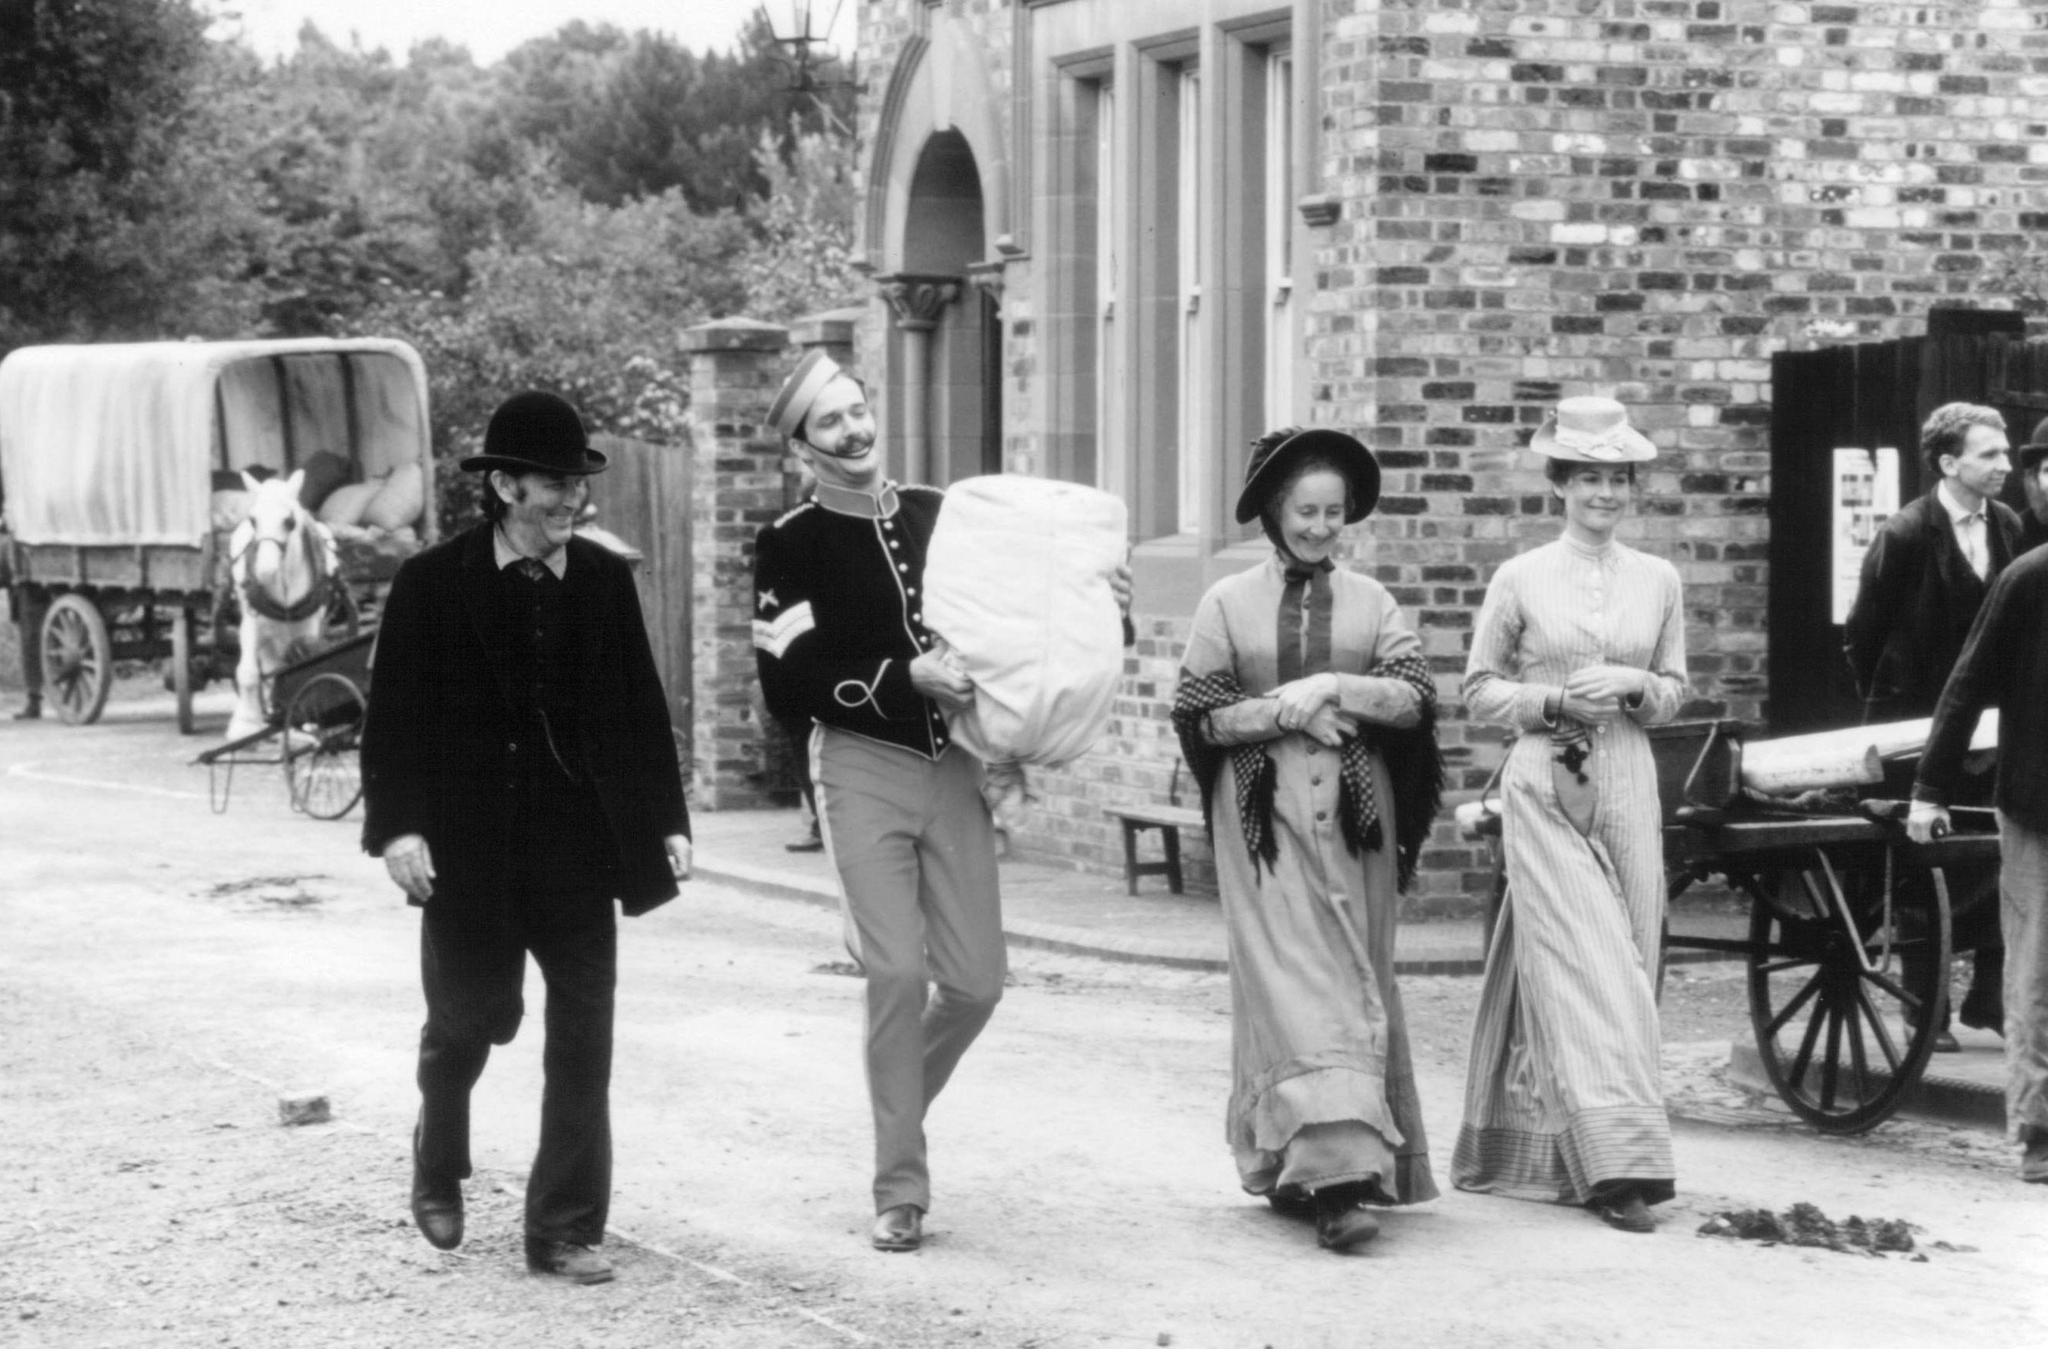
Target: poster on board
1866,494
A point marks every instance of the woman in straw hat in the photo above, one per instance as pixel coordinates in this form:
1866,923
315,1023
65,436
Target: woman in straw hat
1580,645
1308,716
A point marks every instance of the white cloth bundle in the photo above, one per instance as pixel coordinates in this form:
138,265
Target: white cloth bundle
1017,583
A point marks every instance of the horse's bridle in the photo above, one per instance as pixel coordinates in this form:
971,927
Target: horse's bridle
262,602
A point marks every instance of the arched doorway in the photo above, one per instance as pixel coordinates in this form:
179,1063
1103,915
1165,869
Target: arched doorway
947,357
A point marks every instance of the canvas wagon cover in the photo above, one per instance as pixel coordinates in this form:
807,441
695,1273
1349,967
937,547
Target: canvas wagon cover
115,443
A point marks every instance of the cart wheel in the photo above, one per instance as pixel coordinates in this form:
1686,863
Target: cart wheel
323,730
1842,1028
78,659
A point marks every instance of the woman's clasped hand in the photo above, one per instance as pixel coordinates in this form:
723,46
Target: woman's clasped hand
1309,705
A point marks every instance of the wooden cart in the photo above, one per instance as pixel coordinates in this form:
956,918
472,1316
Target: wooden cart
110,457
315,732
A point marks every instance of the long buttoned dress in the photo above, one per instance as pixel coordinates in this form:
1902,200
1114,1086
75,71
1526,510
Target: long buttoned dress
1322,1086
1562,1092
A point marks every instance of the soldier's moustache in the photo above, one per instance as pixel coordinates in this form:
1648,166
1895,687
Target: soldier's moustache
853,447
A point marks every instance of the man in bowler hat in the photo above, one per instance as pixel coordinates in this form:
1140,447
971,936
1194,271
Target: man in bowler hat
2032,460
519,777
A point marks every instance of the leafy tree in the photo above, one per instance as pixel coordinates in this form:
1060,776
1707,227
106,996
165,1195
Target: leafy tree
591,308
115,218
361,167
626,116
802,260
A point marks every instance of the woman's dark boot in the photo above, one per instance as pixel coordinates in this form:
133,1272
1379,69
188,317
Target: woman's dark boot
1342,1219
1623,1210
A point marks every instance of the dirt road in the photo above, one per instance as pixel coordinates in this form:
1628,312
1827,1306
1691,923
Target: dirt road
166,973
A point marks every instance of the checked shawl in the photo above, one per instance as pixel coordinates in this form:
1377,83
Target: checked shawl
1410,754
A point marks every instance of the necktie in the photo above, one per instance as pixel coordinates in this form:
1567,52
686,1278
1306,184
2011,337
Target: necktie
1304,620
1972,534
533,569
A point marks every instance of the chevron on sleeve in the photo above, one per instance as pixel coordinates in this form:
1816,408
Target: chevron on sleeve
774,636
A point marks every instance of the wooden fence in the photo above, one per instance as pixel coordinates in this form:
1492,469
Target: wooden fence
643,498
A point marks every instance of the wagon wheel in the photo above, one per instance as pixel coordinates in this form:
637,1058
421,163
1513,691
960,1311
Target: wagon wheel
323,730
1841,1027
78,659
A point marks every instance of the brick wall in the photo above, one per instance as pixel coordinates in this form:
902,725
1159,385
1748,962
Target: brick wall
738,483
1543,197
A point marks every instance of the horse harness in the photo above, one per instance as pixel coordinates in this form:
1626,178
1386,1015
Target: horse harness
315,600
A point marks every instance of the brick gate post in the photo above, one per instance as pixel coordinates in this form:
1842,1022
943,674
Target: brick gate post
737,486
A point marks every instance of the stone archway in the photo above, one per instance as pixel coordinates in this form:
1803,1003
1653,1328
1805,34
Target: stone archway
936,233
946,350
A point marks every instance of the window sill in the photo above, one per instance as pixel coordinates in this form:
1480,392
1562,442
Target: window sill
1170,575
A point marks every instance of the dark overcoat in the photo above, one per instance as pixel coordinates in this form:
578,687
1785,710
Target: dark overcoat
438,736
1914,605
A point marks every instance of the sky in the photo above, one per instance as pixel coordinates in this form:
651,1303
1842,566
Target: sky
490,27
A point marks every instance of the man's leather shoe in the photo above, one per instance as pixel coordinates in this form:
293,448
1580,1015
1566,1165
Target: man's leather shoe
2034,1164
570,1260
1945,1042
898,1229
437,1208
436,1203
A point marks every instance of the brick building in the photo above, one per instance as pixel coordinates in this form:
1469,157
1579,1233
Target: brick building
1113,240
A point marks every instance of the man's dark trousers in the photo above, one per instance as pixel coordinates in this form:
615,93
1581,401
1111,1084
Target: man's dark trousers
472,969
472,966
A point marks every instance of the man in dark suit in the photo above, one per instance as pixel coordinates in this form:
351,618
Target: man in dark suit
1925,577
2005,664
519,775
1931,566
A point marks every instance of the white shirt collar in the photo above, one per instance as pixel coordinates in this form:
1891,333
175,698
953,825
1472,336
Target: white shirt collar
1956,510
556,562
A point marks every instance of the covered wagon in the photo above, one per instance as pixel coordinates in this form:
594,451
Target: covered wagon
122,472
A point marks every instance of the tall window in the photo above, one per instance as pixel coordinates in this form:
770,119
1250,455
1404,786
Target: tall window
1109,402
1188,253
1279,199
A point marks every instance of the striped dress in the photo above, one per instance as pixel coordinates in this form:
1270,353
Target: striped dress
1562,1090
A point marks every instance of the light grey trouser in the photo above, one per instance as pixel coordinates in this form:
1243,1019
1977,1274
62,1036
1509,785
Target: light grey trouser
2023,898
917,880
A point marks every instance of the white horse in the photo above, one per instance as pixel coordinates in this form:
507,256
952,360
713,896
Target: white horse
283,563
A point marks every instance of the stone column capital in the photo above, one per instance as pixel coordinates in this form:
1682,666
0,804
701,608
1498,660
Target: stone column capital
919,299
987,277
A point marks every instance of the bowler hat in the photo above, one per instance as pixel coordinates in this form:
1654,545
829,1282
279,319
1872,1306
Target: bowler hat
1271,466
536,432
1592,430
2036,447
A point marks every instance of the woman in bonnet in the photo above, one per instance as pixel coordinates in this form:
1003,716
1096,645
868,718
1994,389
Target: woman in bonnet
1580,645
1308,716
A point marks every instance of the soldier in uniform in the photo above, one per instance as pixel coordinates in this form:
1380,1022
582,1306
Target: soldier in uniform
840,642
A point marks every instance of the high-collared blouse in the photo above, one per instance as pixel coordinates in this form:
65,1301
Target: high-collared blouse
1567,605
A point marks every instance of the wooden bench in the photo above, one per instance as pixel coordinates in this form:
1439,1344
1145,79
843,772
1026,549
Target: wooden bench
1169,820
